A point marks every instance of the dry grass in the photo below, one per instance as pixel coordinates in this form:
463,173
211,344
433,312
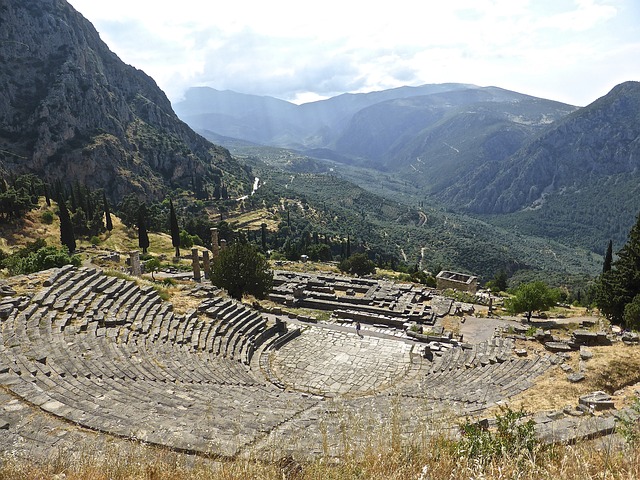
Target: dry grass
451,324
432,459
30,228
611,369
182,302
305,267
254,219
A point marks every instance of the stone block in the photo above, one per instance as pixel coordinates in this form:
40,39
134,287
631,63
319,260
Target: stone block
575,377
585,354
597,401
557,347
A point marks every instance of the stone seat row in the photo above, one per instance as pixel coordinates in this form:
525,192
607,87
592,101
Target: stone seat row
486,384
166,414
495,351
41,319
455,379
147,315
103,375
34,326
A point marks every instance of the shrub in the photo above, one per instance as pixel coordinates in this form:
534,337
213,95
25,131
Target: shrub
512,438
47,217
629,427
357,264
28,261
95,240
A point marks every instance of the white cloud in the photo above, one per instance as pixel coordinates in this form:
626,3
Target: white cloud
288,49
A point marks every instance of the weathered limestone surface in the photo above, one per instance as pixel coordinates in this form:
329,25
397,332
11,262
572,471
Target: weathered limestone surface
83,349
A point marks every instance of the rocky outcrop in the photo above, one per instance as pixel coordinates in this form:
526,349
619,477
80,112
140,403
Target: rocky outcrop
71,109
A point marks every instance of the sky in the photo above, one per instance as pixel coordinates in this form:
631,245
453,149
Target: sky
573,51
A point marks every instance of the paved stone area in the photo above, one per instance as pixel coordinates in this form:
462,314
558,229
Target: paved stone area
330,362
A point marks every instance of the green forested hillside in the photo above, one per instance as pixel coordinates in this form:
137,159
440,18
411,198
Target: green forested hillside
388,230
589,216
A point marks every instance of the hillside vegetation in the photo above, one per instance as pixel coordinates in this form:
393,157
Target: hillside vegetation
390,231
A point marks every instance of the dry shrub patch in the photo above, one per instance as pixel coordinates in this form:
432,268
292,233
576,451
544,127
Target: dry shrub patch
614,368
611,369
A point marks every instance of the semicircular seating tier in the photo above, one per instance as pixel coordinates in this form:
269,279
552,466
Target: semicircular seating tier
108,354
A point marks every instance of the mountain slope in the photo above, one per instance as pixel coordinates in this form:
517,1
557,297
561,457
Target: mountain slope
70,109
433,139
596,142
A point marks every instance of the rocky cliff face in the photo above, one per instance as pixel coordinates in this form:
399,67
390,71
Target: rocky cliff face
71,109
595,142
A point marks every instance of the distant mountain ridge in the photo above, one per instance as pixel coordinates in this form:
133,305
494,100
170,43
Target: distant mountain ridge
275,122
70,109
597,141
431,134
549,169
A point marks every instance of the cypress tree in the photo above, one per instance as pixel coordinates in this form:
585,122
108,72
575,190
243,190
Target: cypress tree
47,198
90,205
74,204
173,228
67,236
348,246
263,232
143,236
608,258
620,286
107,212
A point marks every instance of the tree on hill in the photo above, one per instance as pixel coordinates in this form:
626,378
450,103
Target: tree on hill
67,237
143,236
357,264
530,297
14,203
107,212
608,258
174,229
241,268
499,282
620,286
152,266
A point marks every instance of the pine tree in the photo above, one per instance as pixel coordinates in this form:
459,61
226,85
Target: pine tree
174,229
241,269
67,236
608,258
143,236
107,212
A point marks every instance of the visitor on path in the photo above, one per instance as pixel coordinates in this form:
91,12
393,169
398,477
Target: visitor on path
358,329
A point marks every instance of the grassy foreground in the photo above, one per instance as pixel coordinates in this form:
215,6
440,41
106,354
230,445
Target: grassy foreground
436,459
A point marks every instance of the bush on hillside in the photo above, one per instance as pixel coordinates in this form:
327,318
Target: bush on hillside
37,256
357,264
